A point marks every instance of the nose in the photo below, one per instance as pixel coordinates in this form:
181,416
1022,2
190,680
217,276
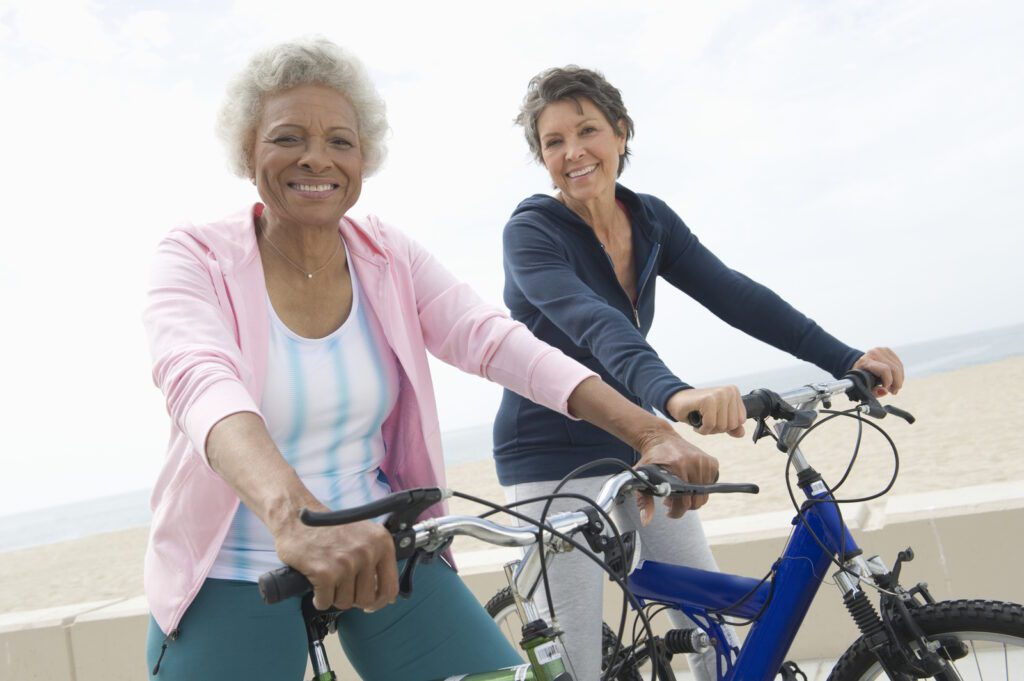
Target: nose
315,158
573,150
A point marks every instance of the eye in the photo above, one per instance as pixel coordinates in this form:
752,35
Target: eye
285,140
587,130
341,143
552,142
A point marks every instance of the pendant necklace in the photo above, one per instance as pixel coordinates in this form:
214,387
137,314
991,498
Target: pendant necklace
309,275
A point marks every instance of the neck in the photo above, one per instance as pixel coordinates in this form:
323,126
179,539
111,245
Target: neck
601,213
307,246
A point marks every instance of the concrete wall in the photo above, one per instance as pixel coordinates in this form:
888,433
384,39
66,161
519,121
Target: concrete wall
967,545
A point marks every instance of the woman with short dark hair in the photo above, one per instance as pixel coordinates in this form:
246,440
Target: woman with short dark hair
580,272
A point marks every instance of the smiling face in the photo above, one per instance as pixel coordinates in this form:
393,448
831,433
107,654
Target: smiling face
580,149
307,163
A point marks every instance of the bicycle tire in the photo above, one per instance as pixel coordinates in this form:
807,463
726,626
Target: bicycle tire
502,609
992,630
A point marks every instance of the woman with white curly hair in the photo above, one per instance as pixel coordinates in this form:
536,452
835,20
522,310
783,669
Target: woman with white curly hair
290,341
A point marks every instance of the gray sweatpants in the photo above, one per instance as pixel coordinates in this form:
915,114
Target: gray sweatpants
577,582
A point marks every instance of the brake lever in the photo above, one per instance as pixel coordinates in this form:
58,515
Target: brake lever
399,523
862,392
658,477
896,411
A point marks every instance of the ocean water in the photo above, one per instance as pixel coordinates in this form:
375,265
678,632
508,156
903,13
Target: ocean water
131,509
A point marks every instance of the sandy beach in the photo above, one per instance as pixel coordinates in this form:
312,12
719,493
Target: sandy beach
967,433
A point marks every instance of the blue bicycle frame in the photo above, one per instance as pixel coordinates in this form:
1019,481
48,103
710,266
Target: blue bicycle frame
778,606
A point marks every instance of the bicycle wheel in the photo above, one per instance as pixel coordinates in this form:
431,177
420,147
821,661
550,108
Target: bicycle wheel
993,633
502,608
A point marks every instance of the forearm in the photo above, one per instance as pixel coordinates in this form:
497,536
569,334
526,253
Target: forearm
241,451
348,566
596,402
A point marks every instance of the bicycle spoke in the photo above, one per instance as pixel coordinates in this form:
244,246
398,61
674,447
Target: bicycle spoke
977,663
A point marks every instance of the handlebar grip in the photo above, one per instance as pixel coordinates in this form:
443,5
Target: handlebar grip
282,583
756,405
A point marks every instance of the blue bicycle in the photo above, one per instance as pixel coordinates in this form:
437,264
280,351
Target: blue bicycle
909,635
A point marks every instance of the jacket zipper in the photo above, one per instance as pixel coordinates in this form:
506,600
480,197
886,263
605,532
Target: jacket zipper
611,263
646,274
163,649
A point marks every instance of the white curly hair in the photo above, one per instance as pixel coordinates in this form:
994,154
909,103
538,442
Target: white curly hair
303,61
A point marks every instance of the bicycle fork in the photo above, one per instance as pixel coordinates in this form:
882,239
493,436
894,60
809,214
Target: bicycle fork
894,652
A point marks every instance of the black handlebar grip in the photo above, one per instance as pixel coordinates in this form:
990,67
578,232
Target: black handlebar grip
756,405
282,583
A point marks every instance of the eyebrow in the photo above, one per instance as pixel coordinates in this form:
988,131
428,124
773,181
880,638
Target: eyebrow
590,119
302,127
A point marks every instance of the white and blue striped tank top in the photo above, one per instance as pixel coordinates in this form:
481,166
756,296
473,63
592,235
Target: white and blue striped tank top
324,402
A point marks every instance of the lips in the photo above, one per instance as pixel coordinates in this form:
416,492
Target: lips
581,172
312,188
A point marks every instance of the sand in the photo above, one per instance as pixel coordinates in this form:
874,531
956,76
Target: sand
968,432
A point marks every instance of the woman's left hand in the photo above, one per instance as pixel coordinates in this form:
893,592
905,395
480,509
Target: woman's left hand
883,363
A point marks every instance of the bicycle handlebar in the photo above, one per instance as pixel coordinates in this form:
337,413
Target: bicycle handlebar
434,533
760,404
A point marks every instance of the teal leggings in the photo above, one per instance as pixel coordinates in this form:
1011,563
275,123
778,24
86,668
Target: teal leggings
229,633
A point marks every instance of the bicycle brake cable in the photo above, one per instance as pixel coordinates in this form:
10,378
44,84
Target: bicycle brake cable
619,580
799,508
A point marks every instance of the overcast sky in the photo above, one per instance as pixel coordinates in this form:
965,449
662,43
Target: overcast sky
864,159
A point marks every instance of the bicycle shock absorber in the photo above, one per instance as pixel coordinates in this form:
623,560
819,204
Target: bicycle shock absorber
861,609
864,614
686,641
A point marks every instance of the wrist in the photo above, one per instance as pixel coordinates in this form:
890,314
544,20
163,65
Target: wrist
280,509
676,404
653,434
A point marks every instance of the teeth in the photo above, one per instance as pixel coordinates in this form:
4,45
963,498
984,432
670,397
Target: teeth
314,187
582,171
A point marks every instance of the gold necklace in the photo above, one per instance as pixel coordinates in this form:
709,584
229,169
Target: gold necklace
309,275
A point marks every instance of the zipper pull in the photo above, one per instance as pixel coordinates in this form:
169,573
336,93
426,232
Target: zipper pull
163,649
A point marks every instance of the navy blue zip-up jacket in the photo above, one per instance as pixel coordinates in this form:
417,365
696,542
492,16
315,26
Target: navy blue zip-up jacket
561,283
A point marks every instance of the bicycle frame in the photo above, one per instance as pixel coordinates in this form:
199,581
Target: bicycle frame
779,607
545,660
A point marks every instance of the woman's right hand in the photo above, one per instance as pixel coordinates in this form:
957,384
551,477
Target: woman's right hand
349,566
721,409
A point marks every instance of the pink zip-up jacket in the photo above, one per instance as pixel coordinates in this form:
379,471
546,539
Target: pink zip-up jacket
207,322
